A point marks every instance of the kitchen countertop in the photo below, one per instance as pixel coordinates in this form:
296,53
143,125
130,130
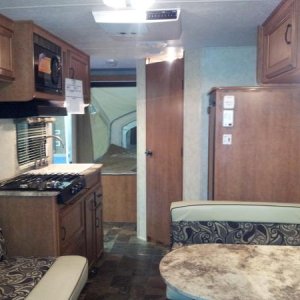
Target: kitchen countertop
64,168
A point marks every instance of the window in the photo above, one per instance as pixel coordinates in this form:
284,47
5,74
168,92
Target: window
31,142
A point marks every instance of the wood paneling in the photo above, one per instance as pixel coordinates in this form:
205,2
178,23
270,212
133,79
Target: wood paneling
119,198
263,162
164,137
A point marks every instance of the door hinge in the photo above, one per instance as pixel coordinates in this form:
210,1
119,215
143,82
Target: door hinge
182,84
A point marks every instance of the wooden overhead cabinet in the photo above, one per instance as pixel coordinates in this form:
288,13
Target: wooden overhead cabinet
279,45
35,76
23,88
78,67
6,56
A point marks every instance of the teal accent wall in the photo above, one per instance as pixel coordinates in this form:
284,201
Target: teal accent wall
219,67
228,66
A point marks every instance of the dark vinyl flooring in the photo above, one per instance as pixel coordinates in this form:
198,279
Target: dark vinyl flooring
128,269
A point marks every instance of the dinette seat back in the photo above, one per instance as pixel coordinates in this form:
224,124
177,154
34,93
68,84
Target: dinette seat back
233,222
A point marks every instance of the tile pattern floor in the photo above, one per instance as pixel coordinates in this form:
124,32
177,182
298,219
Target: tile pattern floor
128,269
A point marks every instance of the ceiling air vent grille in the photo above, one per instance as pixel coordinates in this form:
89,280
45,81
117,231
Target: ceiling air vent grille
153,25
169,14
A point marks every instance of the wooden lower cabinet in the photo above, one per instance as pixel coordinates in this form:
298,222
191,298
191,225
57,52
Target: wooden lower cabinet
72,229
38,226
93,219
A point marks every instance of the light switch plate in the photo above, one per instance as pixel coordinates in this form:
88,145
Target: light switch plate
228,102
227,139
228,118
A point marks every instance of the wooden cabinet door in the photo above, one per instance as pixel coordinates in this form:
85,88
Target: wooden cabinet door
79,68
279,41
279,45
6,35
90,227
93,224
72,228
98,221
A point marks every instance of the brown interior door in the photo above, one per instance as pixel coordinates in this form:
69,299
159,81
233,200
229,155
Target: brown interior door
164,139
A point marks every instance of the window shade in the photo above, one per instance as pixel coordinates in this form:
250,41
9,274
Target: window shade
31,142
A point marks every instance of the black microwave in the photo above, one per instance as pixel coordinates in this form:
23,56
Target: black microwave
47,66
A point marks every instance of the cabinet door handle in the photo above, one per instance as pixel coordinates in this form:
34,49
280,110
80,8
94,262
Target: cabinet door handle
97,223
288,29
64,231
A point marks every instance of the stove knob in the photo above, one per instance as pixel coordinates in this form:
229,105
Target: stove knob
24,186
73,190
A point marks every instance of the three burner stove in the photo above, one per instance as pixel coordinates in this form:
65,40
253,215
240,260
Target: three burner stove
68,185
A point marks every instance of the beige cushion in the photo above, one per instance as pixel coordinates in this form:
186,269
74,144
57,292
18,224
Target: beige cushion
63,281
235,211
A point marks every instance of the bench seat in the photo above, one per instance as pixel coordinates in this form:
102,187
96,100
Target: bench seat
36,278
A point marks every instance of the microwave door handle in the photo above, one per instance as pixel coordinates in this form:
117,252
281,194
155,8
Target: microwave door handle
55,70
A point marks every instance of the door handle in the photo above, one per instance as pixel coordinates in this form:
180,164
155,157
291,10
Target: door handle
148,153
288,28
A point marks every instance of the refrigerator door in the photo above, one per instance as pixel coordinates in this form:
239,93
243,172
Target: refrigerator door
254,153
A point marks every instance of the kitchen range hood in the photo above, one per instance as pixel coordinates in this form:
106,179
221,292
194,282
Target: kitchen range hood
33,108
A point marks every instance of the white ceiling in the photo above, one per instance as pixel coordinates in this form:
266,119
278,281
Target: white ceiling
205,23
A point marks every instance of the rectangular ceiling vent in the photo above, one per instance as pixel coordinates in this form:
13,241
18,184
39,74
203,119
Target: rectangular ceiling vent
151,25
162,15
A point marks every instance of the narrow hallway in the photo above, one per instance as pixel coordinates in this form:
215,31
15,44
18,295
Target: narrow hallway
128,269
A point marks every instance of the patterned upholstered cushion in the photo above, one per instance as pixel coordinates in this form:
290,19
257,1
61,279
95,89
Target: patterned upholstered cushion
198,232
18,275
2,246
